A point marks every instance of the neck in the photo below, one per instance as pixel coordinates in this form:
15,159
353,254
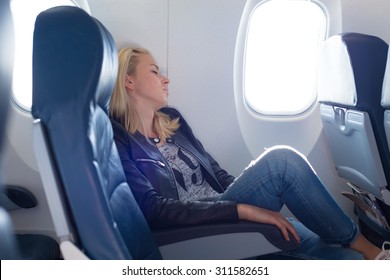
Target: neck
145,125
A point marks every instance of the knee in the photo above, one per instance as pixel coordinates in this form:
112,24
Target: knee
281,158
285,153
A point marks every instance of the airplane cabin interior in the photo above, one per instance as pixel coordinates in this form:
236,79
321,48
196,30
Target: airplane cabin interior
247,75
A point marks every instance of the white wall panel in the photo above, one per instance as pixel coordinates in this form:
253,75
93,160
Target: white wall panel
367,16
136,22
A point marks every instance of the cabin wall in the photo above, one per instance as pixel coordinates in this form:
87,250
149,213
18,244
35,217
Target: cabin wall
371,17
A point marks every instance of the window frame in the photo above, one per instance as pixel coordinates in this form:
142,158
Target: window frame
241,47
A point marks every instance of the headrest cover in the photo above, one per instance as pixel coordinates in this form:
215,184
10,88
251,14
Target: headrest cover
336,82
351,69
73,59
386,85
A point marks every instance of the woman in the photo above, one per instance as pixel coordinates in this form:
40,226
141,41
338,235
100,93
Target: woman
176,182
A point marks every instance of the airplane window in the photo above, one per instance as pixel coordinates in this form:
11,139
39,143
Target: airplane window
280,56
24,13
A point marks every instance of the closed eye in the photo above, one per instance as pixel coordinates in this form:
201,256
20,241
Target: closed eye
155,69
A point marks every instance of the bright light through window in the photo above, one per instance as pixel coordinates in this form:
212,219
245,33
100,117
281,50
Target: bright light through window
281,56
24,13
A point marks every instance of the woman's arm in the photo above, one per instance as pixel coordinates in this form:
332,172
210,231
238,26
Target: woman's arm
261,215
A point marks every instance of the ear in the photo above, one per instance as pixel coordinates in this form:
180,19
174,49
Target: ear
129,82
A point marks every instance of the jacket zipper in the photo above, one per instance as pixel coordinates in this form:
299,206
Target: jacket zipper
159,163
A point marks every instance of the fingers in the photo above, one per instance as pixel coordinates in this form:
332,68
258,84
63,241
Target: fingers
285,227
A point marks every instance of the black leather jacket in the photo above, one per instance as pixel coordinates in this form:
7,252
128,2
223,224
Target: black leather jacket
153,184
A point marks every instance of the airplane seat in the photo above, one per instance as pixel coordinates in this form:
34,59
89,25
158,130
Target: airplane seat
93,209
74,69
350,78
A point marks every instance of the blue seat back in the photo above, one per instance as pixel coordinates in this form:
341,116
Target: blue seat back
74,70
350,81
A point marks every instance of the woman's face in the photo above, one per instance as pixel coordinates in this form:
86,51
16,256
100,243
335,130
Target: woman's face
147,86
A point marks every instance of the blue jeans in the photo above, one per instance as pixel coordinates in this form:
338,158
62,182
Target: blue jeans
282,176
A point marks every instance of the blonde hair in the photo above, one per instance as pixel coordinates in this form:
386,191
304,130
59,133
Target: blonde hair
121,107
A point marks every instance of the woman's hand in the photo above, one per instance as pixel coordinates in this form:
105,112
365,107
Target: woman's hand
256,214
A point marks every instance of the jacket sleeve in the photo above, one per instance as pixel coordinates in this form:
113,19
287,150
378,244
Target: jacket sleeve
163,212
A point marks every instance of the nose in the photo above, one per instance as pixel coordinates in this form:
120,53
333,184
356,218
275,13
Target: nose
164,80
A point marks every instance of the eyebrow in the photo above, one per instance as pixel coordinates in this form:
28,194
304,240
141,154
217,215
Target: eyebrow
155,66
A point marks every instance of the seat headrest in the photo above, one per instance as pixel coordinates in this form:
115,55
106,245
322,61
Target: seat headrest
386,85
73,62
351,67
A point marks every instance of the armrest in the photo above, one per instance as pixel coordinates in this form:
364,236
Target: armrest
221,241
